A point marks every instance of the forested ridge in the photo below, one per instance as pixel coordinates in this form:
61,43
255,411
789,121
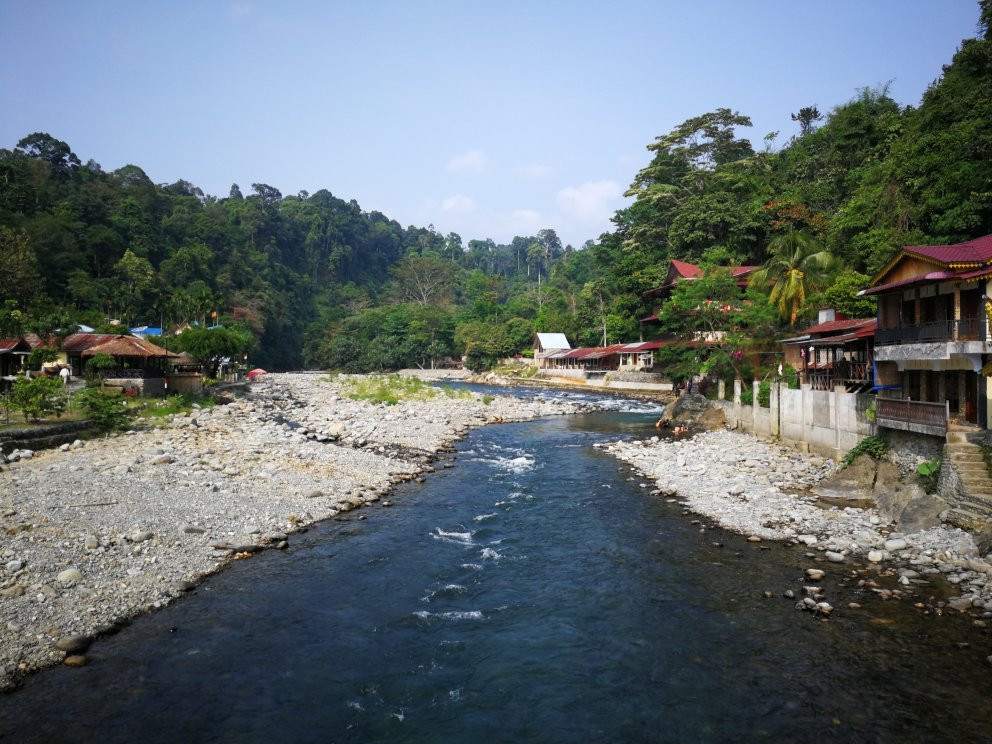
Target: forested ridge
320,282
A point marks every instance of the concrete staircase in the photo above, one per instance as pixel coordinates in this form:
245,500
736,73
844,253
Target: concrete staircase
971,506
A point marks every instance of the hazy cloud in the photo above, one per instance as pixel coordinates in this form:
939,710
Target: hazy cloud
592,202
239,10
473,161
458,203
523,221
534,171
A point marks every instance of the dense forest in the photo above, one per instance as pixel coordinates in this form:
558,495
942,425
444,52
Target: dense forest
320,282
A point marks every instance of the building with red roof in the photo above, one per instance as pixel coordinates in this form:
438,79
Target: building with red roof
932,341
682,271
836,352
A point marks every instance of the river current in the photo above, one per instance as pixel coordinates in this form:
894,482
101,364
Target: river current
535,592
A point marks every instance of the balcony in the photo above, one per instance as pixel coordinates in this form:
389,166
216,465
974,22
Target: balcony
965,329
853,376
912,415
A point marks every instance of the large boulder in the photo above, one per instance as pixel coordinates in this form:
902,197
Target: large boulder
921,513
850,486
695,410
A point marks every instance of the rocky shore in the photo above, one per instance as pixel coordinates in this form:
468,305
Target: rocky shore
770,492
96,532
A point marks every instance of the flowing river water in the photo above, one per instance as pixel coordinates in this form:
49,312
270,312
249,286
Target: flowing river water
533,592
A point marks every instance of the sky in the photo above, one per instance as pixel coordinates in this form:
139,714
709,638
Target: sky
489,119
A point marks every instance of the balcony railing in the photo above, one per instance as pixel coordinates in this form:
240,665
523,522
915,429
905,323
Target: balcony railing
965,329
906,414
841,374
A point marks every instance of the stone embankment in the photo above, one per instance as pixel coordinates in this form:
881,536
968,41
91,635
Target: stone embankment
768,492
96,532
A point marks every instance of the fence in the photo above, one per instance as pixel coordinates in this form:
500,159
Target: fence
828,422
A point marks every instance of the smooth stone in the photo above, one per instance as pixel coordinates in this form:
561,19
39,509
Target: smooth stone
73,644
76,660
140,536
834,557
815,574
896,544
14,566
91,543
190,529
959,603
70,575
876,556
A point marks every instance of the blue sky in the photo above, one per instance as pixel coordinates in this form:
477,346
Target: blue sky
490,119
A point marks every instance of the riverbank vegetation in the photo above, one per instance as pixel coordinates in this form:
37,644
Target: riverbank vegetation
316,280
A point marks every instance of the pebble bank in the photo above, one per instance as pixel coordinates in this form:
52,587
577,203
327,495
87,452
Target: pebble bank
762,490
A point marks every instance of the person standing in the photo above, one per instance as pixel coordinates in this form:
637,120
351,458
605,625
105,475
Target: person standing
64,374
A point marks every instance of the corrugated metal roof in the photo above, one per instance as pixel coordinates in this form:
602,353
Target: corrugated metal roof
83,341
978,250
832,326
553,341
933,276
13,344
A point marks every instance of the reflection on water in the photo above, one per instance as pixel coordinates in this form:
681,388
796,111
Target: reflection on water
532,593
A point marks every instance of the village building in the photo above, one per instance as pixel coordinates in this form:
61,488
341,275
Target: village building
682,271
932,342
546,343
835,352
13,352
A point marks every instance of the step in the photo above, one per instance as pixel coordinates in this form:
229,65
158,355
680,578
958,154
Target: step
963,446
979,499
963,459
966,519
964,456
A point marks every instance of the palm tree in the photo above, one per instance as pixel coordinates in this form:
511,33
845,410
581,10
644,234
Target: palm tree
796,267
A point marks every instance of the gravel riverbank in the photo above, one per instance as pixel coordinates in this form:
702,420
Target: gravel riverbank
98,532
761,489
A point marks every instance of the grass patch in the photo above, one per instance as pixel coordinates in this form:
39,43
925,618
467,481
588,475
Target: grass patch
391,389
151,408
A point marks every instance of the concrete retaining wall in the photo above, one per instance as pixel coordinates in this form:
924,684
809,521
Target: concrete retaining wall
826,422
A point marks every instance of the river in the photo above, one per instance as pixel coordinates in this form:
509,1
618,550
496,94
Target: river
534,592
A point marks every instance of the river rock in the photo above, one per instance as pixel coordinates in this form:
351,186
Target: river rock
139,536
73,644
815,574
75,660
70,576
876,556
896,544
14,566
921,513
960,603
834,557
851,486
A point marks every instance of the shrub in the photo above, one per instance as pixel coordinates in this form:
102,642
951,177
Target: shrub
929,474
765,394
747,396
97,364
105,408
37,397
874,447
